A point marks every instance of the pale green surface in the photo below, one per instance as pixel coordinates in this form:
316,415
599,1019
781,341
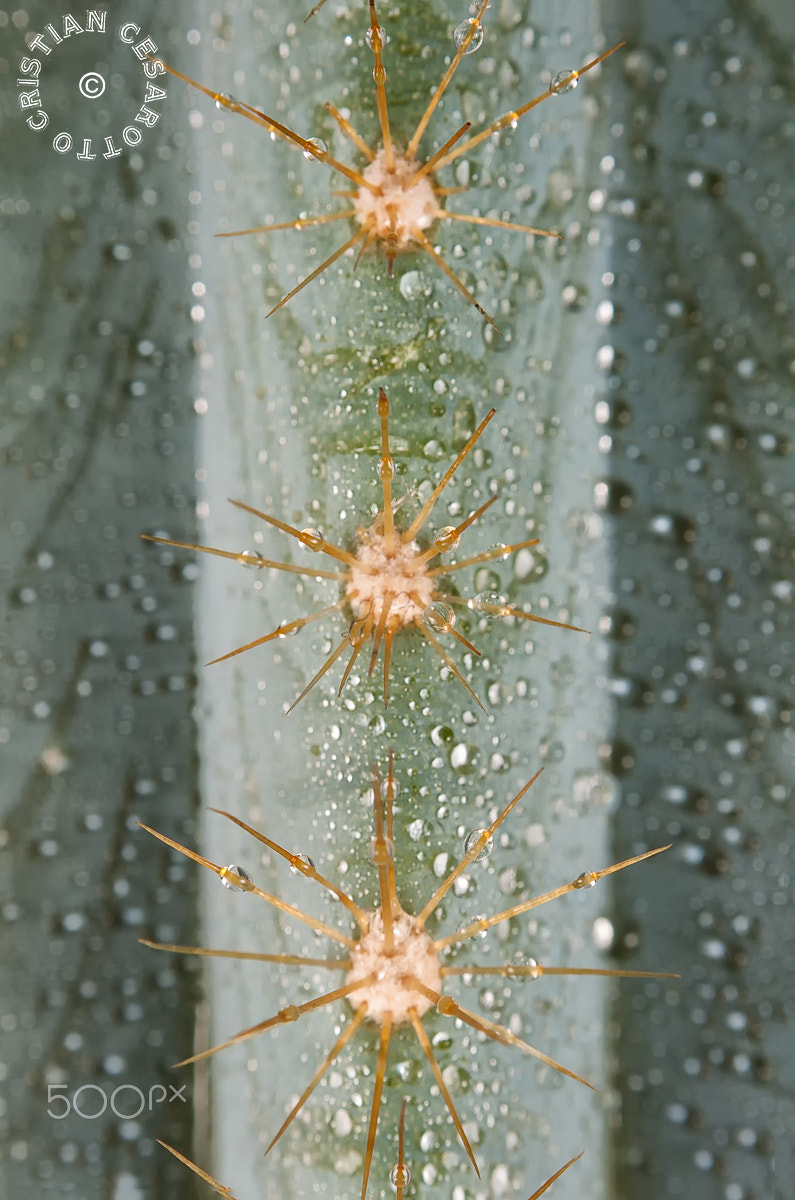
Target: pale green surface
296,774
696,1121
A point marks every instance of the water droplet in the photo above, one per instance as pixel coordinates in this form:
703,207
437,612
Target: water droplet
461,32
236,878
386,468
464,758
382,851
446,538
472,839
527,965
400,1176
439,617
252,559
368,37
446,1005
594,789
586,880
603,933
415,286
290,1013
314,147
489,600
225,99
486,580
531,565
312,539
564,81
301,864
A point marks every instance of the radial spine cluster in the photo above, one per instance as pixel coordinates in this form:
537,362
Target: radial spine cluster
392,580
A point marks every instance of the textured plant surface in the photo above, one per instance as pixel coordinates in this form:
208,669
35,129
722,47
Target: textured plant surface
289,407
395,969
686,267
391,582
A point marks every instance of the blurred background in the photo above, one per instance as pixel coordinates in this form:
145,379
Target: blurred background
106,344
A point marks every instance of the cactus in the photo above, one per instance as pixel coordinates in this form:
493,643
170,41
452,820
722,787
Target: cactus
325,356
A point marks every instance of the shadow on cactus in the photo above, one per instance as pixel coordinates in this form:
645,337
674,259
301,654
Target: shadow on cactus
394,971
390,584
396,199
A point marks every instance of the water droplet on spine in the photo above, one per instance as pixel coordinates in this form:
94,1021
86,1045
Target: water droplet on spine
312,539
400,1176
368,37
236,878
313,148
382,852
252,559
439,617
586,880
462,30
301,864
446,538
564,81
471,840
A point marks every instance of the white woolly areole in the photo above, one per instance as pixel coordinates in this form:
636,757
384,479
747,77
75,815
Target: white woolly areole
413,954
413,208
397,574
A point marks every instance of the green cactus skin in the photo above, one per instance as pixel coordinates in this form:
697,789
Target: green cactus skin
290,427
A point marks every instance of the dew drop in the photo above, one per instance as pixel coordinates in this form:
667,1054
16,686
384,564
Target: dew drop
312,539
528,966
446,538
446,1005
461,32
225,99
471,840
531,565
301,864
586,880
252,559
595,789
382,851
603,934
400,1176
236,878
439,617
314,148
413,285
368,37
464,758
386,468
490,601
564,81
486,580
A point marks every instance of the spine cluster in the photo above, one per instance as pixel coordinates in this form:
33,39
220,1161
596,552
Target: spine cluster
396,582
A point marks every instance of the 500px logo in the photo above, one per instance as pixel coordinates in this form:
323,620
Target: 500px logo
91,85
61,1106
